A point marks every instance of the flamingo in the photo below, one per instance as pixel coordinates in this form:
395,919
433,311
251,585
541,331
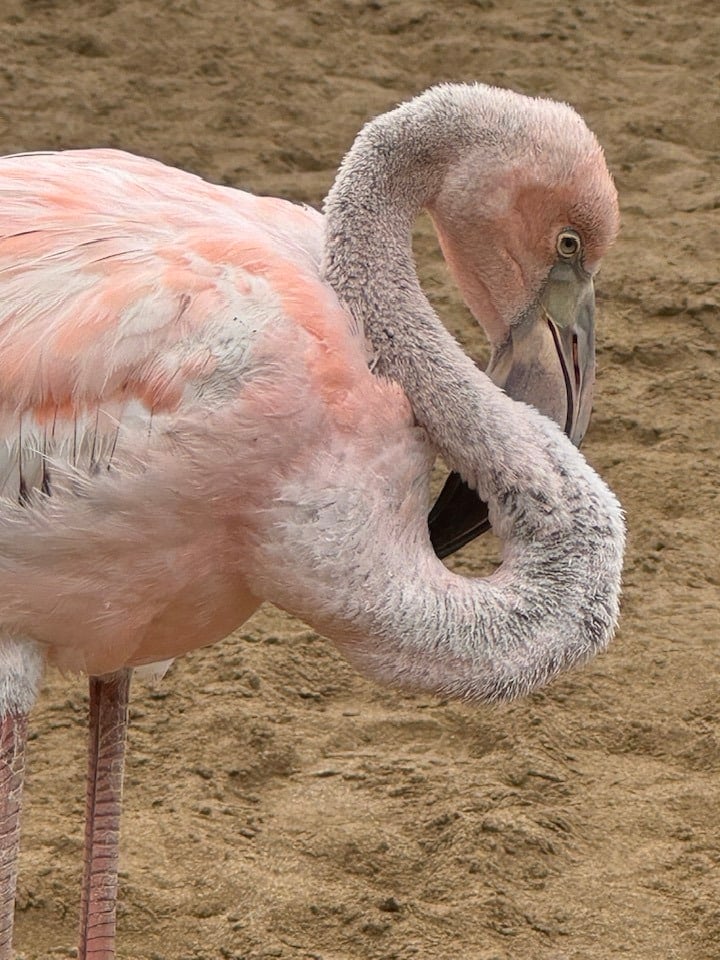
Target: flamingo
209,399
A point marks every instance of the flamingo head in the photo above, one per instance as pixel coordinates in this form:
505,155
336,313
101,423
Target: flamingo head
524,220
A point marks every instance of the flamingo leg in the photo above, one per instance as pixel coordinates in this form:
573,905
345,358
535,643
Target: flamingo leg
13,734
106,756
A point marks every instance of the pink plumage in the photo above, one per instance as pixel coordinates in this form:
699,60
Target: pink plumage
167,345
209,399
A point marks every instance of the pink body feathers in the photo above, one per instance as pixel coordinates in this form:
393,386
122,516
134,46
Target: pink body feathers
168,349
210,399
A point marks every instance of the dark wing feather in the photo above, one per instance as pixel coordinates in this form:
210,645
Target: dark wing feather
457,517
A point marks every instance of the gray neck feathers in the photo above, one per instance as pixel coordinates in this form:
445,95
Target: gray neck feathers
555,599
395,168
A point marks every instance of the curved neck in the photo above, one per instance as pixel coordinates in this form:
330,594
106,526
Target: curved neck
554,601
412,623
395,169
388,177
363,573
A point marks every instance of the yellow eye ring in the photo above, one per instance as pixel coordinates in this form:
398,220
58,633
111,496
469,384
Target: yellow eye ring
568,244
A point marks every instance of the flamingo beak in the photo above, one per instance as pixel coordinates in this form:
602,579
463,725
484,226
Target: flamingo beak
548,360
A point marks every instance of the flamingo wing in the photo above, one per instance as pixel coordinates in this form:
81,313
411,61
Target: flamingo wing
156,334
130,290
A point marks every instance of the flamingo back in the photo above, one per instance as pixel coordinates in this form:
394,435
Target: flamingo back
167,353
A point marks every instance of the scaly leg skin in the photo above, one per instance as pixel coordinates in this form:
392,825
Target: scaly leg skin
13,733
106,757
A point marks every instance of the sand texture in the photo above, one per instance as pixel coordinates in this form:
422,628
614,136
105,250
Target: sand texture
277,805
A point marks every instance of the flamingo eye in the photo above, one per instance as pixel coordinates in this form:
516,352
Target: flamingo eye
568,244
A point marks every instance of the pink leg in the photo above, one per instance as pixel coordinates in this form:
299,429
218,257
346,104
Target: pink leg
108,725
13,732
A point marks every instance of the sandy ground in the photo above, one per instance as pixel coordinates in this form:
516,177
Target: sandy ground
278,805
